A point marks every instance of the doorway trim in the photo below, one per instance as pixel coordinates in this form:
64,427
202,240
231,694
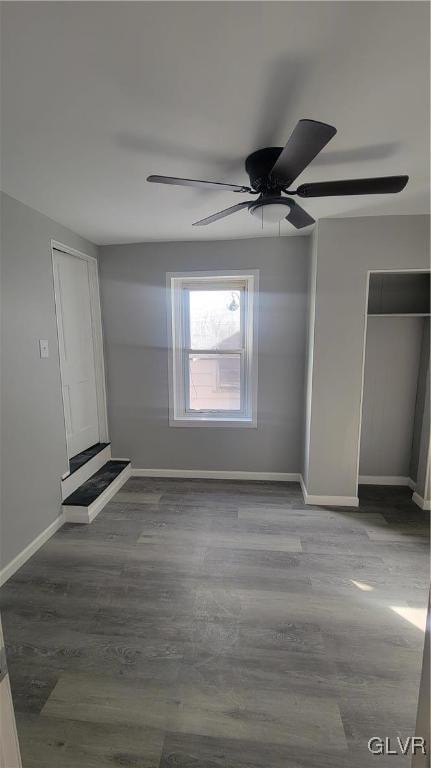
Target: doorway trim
97,332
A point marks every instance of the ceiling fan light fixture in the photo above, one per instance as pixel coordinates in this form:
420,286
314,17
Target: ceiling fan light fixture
270,213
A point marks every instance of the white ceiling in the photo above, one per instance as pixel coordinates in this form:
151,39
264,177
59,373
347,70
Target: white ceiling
96,96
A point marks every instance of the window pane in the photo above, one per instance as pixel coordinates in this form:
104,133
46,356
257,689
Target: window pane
215,319
215,382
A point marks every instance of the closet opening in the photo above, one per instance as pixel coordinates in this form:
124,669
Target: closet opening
395,423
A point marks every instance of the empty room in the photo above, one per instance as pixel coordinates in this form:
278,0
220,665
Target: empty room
215,384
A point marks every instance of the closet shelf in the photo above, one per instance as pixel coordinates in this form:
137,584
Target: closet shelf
399,294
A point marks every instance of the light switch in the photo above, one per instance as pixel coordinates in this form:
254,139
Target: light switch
44,347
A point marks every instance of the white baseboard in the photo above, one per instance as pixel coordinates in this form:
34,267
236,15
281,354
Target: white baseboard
303,488
75,514
386,480
216,474
328,501
73,481
332,501
30,549
424,504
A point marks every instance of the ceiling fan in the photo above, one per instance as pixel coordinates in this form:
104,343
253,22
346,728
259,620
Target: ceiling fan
273,169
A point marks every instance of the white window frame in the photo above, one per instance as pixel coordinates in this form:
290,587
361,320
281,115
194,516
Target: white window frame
177,284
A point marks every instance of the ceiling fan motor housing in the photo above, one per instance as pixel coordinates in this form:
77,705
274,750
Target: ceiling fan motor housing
259,165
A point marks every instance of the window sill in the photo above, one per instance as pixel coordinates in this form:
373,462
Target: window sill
187,421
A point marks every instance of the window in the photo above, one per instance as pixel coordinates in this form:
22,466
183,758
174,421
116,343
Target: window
213,356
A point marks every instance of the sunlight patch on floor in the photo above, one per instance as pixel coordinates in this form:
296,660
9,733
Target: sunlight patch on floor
416,616
362,586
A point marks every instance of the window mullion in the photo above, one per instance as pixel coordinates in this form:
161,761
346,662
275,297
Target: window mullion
235,351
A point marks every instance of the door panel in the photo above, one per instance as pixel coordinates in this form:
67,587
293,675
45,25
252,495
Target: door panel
75,337
9,747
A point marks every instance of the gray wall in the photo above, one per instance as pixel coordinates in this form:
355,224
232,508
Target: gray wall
346,250
33,444
392,356
133,280
420,398
311,306
423,480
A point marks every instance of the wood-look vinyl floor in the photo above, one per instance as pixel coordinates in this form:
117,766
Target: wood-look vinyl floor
215,624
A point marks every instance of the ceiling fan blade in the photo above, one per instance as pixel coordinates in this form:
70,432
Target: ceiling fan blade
298,216
307,140
377,186
221,214
197,183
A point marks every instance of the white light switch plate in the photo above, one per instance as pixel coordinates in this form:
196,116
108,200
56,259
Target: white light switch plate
44,347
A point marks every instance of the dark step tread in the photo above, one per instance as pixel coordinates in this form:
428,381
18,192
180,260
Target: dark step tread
96,484
78,461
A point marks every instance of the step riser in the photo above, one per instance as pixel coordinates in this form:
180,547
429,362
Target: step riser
86,515
71,483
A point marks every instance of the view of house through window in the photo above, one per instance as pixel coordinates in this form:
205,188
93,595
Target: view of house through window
215,324
213,355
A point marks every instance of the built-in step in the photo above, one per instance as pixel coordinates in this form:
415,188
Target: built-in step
83,466
76,462
88,500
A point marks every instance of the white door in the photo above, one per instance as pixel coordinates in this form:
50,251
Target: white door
9,746
77,358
